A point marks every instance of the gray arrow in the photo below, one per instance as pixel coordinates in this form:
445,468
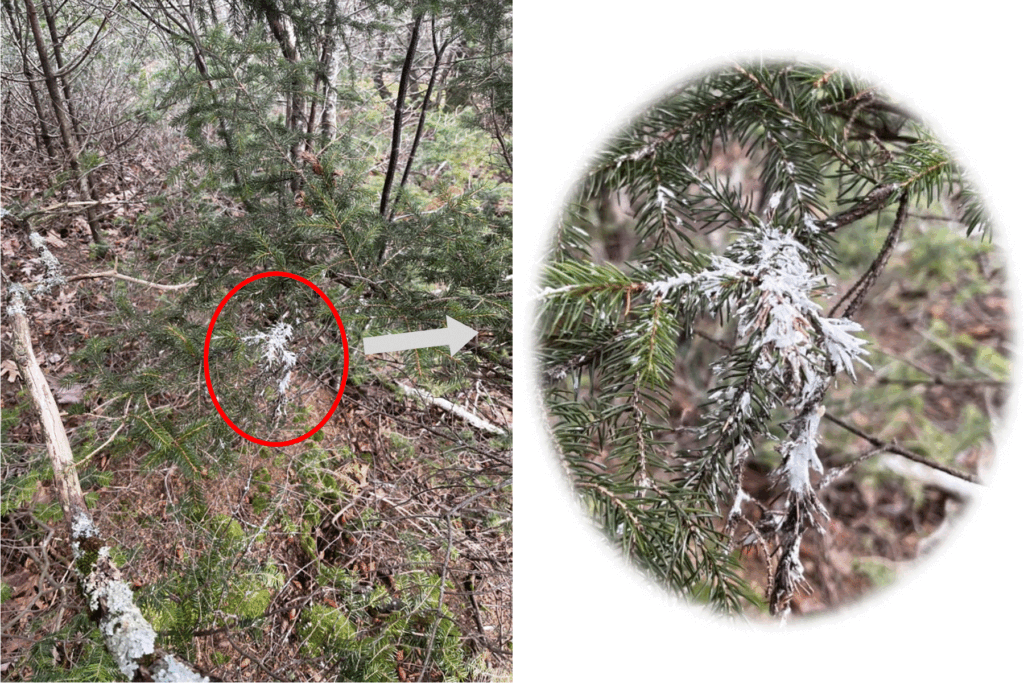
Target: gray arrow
455,336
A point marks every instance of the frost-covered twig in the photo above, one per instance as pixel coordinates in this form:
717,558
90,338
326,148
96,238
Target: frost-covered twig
276,356
788,353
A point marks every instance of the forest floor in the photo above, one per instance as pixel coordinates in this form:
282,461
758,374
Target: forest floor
370,517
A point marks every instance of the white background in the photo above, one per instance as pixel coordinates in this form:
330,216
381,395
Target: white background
581,69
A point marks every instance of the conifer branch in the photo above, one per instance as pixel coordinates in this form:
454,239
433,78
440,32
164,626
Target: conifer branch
861,287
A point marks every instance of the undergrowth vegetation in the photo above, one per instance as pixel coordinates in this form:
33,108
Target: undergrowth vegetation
380,548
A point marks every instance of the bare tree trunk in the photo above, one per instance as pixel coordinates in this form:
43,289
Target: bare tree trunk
378,75
438,55
396,131
37,103
66,134
281,26
58,58
330,65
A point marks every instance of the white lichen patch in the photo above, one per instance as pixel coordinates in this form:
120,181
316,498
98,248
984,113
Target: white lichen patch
129,636
170,669
54,277
82,526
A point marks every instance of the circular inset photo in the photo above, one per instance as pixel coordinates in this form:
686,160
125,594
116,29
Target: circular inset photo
774,337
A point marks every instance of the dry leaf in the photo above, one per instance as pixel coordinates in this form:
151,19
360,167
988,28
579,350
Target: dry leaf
55,241
73,394
10,368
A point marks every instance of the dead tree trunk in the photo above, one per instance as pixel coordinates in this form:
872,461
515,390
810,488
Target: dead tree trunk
62,77
44,135
438,55
66,133
396,131
284,32
330,65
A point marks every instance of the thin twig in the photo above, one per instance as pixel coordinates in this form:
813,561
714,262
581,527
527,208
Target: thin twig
871,202
860,289
128,278
836,472
899,450
100,447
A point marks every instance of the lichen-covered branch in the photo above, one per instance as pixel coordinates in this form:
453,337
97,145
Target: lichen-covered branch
456,410
127,634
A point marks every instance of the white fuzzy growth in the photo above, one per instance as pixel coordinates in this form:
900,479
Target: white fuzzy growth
802,454
662,287
554,291
723,271
773,201
737,505
274,344
784,315
663,195
745,403
842,347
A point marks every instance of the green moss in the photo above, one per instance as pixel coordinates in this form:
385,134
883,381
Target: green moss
86,561
248,604
878,573
402,447
326,627
307,541
228,529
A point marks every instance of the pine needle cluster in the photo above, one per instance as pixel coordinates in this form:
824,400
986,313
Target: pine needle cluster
746,268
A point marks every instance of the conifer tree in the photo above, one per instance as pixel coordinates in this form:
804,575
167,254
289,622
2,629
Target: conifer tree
748,271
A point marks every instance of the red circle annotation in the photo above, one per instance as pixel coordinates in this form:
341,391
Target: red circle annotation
206,358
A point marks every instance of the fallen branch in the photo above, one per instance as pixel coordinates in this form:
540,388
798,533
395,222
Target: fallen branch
127,634
128,278
444,404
